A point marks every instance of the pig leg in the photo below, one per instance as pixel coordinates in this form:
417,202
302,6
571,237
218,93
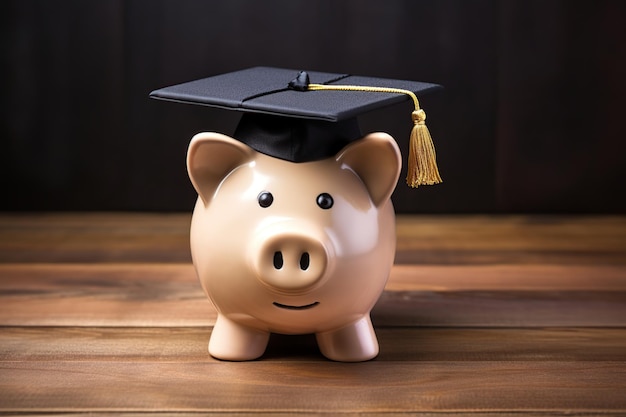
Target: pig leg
233,342
353,343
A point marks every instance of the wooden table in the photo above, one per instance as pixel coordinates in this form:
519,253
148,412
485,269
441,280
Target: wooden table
520,315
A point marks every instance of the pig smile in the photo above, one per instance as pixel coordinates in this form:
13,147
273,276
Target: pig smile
290,307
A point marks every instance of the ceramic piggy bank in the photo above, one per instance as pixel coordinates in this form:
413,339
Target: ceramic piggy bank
293,248
293,231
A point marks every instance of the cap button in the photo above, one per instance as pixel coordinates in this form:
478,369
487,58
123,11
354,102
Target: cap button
301,82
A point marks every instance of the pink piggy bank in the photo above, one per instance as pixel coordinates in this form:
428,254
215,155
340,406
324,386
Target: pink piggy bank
293,248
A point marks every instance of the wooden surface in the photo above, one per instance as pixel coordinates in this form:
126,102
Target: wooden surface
513,315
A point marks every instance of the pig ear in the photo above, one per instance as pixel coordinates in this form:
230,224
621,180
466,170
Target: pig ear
377,161
210,158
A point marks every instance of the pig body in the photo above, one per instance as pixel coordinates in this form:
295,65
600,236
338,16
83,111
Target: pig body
293,248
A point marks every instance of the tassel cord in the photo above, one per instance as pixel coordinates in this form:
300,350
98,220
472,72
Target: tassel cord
422,168
318,87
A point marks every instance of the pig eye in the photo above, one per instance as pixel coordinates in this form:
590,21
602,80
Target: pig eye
325,201
265,199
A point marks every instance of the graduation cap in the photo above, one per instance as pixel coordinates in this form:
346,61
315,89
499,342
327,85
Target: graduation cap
306,116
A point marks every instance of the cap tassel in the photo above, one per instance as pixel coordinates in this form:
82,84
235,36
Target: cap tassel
422,165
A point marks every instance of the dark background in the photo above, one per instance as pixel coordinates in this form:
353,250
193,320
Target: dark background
532,118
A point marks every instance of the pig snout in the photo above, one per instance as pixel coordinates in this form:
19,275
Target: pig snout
290,261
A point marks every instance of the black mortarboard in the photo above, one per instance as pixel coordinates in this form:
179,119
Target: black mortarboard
300,116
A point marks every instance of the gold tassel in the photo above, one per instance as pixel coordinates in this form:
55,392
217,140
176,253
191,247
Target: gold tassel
422,167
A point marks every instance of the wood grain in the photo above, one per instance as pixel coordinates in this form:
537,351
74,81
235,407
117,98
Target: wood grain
150,294
94,237
189,344
313,386
482,315
140,237
511,239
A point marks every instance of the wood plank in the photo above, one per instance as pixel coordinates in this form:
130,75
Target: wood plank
512,232
463,309
332,413
189,344
264,386
592,413
479,239
170,295
94,237
155,280
455,256
469,239
103,294
501,309
505,277
472,413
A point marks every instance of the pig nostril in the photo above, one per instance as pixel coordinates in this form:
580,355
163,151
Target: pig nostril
278,260
305,259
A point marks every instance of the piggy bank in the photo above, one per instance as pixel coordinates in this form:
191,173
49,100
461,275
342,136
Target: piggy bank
293,248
